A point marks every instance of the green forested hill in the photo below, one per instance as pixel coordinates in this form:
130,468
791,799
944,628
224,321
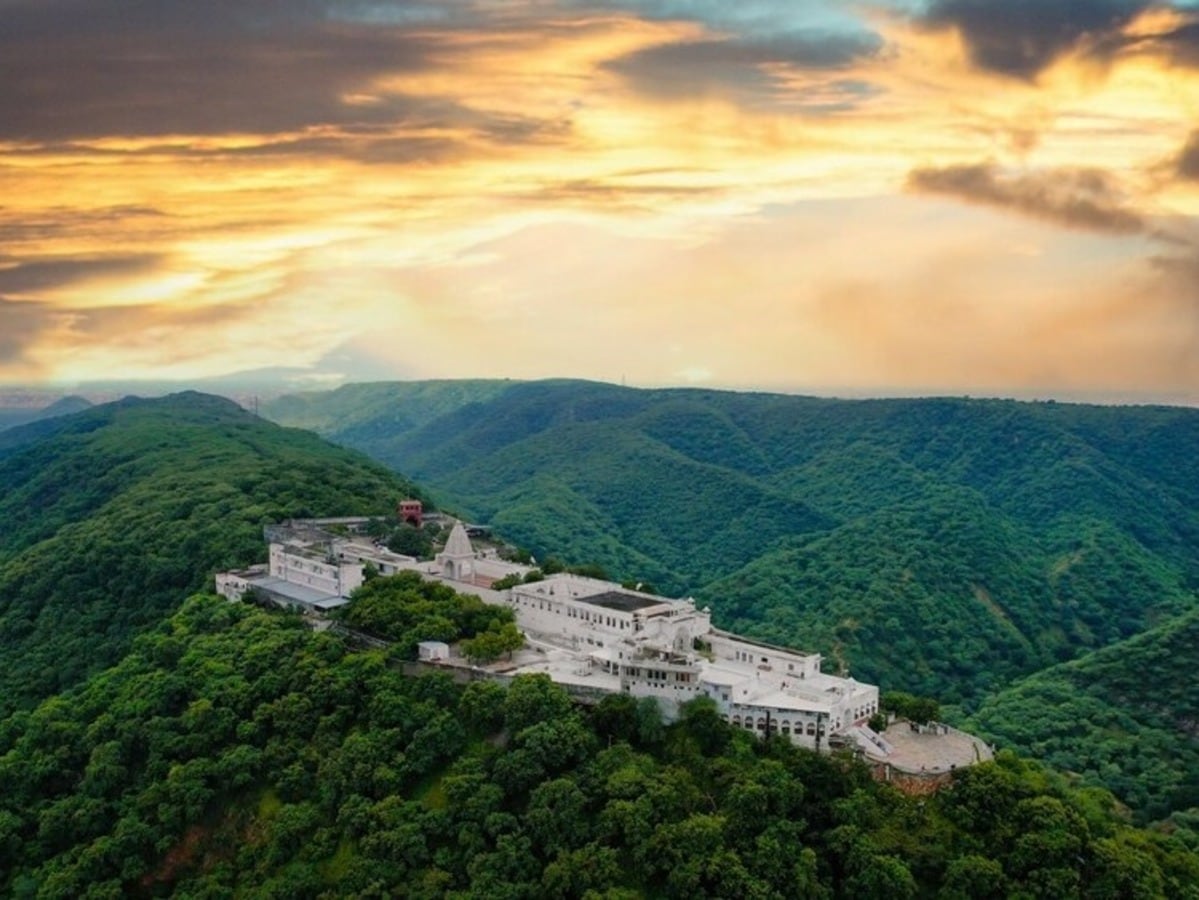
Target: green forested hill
111,516
944,546
233,752
1125,717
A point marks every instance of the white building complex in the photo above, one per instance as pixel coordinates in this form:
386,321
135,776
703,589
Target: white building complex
589,633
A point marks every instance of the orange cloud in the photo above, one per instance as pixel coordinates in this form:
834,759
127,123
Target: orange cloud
694,199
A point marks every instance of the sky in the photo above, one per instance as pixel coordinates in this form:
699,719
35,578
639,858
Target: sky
984,197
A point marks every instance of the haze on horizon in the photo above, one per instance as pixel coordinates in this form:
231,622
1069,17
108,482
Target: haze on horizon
951,196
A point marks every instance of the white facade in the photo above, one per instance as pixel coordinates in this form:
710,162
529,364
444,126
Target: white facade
650,646
612,638
433,651
585,611
318,568
235,585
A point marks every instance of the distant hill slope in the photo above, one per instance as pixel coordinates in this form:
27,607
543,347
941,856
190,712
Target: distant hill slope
1125,717
942,545
111,516
11,418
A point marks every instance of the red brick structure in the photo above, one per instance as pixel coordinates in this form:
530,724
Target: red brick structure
410,511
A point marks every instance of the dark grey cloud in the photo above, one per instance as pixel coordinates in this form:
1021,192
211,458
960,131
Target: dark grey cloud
1021,38
1084,199
738,66
73,70
34,277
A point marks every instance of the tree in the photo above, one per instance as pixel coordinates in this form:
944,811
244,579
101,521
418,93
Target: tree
490,645
974,877
508,581
410,541
482,706
582,872
532,699
882,876
920,710
557,818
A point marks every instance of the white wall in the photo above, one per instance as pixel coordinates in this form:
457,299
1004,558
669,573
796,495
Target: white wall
781,662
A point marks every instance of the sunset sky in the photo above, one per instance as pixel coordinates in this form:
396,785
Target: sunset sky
992,197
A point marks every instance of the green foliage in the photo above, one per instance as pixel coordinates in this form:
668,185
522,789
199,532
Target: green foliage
508,581
233,752
488,646
411,541
1122,718
915,709
406,609
114,514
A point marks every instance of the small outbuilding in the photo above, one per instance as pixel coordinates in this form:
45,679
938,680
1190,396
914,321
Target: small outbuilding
433,651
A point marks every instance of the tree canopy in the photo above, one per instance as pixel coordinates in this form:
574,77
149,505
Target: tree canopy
235,752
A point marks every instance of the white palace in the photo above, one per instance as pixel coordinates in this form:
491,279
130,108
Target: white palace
588,633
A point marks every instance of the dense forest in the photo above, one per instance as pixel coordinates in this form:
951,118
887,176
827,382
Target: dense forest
948,547
1125,717
234,752
111,516
150,746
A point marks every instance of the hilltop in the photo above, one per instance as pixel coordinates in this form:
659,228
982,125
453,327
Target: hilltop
234,752
113,515
948,547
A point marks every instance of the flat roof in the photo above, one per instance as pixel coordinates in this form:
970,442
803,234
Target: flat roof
331,603
300,593
622,602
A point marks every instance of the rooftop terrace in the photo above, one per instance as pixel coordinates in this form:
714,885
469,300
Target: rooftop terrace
622,602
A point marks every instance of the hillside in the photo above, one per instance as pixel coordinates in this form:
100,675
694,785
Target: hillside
943,546
114,514
1125,717
11,417
234,752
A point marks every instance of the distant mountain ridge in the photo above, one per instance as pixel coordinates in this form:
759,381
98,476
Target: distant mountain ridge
11,417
